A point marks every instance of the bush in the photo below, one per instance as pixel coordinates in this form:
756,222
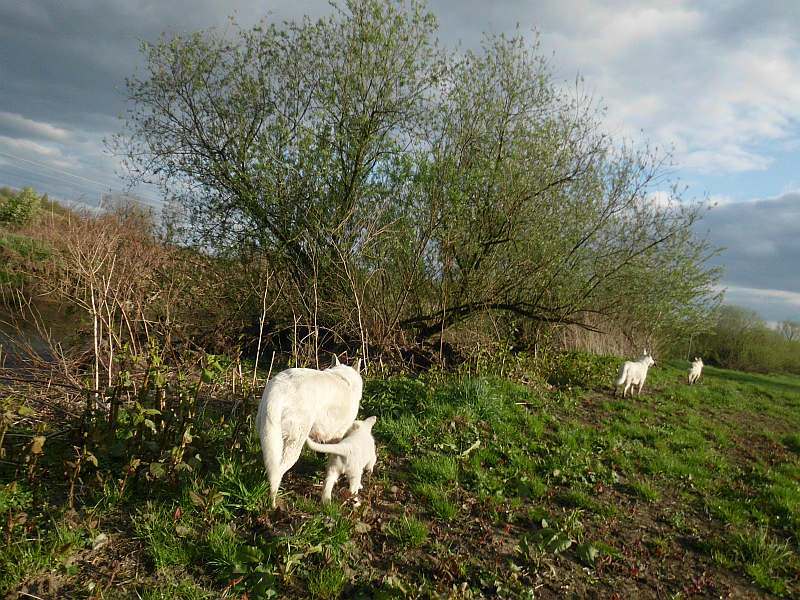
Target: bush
742,340
580,369
20,208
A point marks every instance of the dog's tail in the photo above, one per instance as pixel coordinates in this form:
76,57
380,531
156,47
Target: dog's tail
339,449
271,436
623,372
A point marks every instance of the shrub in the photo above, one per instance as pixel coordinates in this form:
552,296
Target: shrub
19,209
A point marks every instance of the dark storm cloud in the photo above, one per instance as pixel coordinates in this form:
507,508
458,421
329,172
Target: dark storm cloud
762,241
63,66
65,62
762,253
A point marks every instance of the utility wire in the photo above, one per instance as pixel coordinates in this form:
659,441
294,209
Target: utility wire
149,201
48,179
56,169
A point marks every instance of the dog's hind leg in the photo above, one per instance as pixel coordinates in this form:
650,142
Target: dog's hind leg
330,480
355,484
291,453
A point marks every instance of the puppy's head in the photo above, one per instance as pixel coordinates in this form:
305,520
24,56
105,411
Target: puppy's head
365,424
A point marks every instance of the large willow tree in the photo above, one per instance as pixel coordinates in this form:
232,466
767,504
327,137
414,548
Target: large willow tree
398,190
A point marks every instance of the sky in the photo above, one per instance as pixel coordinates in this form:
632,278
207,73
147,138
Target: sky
715,83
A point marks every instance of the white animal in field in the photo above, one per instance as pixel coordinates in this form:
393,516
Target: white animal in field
633,373
695,370
351,457
302,403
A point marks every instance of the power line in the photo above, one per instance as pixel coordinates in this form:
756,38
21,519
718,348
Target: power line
48,179
154,202
39,178
56,169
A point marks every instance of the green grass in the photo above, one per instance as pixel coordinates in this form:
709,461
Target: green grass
408,532
480,481
163,535
326,583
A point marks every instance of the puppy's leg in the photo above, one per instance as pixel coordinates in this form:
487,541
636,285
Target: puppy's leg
330,480
355,483
355,487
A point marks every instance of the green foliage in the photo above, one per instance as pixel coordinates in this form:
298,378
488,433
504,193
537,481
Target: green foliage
408,531
327,583
170,587
565,476
437,470
741,340
580,369
644,491
22,558
163,535
18,209
765,559
442,189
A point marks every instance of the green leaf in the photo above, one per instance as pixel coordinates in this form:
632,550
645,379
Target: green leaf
26,411
157,470
249,554
587,553
207,376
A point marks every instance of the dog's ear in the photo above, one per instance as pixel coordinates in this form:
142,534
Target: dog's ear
370,421
357,366
334,361
646,352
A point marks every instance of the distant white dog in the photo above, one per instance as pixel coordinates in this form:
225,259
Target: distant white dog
695,370
302,403
633,373
351,457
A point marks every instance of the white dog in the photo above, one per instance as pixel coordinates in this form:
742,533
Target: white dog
302,403
633,373
351,457
696,370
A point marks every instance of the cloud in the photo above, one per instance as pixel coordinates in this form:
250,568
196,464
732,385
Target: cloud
762,251
713,81
28,147
772,305
718,83
17,125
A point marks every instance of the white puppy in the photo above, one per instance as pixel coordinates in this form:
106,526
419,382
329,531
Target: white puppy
696,370
351,457
633,373
302,403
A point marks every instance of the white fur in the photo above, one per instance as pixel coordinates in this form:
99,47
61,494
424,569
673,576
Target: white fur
696,370
352,456
302,403
633,373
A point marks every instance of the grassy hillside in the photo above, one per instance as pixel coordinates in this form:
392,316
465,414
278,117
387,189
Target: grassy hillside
484,488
